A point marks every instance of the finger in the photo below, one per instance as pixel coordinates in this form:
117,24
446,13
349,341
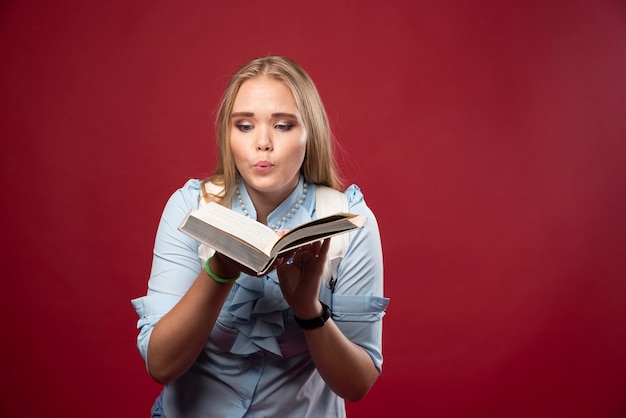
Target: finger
279,262
319,249
324,248
291,253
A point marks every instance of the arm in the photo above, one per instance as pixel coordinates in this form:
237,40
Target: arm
344,366
183,302
180,335
347,354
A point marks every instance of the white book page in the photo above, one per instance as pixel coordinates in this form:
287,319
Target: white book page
251,231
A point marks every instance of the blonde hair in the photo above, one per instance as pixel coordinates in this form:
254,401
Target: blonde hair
319,165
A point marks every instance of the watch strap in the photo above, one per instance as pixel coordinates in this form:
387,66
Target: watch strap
316,322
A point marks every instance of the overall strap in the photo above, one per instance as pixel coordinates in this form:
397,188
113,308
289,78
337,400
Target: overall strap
327,202
205,252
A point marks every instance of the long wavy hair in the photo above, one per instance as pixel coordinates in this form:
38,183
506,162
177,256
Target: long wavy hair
318,167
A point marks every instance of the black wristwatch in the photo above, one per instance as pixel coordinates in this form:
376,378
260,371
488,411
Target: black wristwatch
315,322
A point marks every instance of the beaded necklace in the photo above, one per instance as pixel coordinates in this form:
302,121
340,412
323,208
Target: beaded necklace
276,226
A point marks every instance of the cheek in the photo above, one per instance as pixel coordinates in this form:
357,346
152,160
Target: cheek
300,150
236,148
302,141
238,158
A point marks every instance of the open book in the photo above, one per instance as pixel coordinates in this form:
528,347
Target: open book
253,244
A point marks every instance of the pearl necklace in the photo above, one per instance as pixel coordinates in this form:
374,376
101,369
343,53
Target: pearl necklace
279,225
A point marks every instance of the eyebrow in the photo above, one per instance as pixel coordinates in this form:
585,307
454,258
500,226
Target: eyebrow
274,115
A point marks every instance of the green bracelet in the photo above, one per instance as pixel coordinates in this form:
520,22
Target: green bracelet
217,278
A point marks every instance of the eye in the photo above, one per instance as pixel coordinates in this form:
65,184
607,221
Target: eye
284,127
243,127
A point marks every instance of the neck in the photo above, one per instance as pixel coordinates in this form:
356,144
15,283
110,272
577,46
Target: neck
266,203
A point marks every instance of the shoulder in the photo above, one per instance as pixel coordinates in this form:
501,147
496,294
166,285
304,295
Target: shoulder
356,201
187,196
354,195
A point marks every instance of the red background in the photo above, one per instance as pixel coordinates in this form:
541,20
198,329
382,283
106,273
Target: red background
488,137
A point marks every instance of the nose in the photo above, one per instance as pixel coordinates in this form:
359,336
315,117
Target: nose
264,140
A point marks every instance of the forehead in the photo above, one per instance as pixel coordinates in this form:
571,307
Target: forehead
264,92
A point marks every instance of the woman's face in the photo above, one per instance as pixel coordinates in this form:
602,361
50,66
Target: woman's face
267,138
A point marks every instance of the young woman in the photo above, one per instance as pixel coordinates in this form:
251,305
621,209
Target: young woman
295,342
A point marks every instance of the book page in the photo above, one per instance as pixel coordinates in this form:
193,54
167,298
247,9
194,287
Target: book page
319,229
249,230
254,244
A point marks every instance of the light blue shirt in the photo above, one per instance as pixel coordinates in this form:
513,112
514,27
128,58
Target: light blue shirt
256,362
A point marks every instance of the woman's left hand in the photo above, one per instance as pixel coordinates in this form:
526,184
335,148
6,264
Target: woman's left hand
300,278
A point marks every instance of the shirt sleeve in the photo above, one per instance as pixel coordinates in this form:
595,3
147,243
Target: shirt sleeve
357,303
175,264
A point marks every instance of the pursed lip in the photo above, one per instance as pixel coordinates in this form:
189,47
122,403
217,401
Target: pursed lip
263,166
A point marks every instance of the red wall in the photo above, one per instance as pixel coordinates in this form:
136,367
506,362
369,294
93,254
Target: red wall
488,137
